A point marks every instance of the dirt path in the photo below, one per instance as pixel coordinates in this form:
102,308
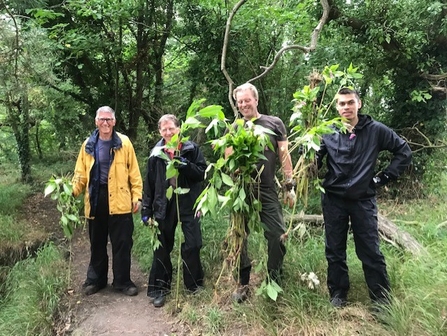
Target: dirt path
107,312
112,313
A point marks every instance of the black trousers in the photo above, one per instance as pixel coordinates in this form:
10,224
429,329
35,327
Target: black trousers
160,277
120,229
273,222
337,213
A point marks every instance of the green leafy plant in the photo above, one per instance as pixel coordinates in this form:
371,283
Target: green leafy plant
192,122
309,122
233,185
61,190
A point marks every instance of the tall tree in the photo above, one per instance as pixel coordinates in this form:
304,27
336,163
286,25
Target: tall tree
17,70
113,52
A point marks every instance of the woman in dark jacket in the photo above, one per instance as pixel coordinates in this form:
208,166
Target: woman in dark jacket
157,207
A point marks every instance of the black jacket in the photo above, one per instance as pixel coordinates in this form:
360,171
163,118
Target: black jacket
155,185
351,159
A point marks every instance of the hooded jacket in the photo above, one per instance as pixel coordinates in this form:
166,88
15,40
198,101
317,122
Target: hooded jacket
190,177
351,158
124,181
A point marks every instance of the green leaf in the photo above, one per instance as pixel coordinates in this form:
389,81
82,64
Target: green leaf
170,170
169,192
64,220
68,231
212,111
192,123
227,180
181,191
67,188
72,217
271,292
49,189
194,107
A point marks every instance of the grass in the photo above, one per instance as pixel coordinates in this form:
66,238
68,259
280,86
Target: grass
31,294
31,284
12,196
31,289
419,283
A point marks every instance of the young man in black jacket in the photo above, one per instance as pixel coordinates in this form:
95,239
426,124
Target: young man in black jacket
350,188
156,206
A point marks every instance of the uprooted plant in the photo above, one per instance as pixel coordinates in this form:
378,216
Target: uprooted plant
309,122
61,190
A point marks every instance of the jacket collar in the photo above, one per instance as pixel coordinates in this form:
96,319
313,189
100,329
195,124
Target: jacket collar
93,139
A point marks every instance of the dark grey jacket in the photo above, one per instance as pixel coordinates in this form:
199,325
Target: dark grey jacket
351,159
190,176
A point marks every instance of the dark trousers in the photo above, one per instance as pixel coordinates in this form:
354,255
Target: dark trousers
160,276
363,216
120,229
273,222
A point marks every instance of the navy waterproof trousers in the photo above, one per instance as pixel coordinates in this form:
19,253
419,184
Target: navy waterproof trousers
362,214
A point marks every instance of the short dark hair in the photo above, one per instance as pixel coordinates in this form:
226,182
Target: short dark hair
347,90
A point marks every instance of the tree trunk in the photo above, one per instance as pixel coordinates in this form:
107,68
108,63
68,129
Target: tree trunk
389,231
20,126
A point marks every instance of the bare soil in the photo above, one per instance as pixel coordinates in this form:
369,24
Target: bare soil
107,312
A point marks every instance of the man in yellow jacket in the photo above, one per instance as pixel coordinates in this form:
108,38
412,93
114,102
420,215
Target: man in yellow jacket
107,171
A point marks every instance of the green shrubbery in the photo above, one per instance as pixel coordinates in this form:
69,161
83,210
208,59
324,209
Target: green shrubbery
31,294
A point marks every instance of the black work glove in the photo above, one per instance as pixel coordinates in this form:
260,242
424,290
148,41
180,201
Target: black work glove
180,162
381,179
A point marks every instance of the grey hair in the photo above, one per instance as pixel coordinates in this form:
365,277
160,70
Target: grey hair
105,109
168,117
246,86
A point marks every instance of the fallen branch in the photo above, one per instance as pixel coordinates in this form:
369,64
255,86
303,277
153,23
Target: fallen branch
389,231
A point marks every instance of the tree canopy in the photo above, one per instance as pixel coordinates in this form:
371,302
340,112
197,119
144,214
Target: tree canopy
61,60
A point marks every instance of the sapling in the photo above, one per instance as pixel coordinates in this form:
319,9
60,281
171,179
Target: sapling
61,190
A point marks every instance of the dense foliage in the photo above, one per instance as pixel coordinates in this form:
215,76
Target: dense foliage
61,60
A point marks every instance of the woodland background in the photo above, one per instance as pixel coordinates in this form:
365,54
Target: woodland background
61,60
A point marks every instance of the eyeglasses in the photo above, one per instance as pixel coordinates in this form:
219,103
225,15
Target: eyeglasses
101,120
170,129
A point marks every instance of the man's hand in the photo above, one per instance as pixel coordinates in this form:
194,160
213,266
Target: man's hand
381,179
180,162
289,197
136,206
289,192
289,184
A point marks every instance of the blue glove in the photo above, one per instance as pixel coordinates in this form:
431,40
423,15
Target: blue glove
145,219
381,179
180,162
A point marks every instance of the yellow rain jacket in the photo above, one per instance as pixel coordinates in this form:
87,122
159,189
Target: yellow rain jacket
124,182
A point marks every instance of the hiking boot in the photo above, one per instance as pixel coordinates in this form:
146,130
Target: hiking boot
152,295
160,300
338,302
240,294
130,291
91,289
195,291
